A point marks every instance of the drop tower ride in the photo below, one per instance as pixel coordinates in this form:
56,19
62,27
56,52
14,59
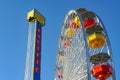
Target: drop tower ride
33,56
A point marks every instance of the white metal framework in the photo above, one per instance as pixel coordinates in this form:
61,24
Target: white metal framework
29,70
74,58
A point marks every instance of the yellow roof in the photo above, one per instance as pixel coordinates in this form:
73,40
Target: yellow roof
35,15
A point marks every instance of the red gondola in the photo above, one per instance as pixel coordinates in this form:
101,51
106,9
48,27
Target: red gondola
102,71
60,75
89,22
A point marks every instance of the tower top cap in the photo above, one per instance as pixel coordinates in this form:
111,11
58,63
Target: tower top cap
35,15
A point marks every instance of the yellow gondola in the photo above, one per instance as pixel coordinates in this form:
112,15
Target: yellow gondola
70,32
77,21
61,58
96,40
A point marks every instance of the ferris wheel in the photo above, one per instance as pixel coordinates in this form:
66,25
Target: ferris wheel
83,51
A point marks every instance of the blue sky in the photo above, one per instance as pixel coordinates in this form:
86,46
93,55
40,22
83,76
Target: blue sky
14,28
